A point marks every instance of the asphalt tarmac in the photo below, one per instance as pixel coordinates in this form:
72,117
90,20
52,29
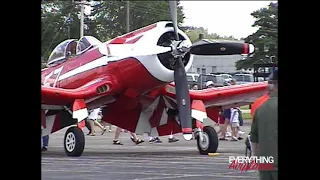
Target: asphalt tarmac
178,161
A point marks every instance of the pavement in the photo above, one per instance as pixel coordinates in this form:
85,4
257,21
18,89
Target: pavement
177,161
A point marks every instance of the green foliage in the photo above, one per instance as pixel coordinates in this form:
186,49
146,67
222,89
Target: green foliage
57,17
193,34
265,38
61,20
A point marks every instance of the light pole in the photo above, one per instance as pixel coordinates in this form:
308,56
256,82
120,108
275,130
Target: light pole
82,19
82,4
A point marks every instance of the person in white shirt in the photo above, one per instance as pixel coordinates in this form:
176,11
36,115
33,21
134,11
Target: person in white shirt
234,121
93,120
209,84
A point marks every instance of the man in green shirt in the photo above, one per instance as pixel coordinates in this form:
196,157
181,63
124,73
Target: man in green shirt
264,131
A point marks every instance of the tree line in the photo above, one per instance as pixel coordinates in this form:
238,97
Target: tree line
61,21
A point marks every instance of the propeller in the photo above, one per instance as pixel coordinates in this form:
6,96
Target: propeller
179,49
221,48
180,79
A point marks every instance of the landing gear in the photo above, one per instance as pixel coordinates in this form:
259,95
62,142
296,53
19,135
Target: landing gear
74,141
208,142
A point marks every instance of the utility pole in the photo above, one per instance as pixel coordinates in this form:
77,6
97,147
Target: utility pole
68,31
128,16
82,19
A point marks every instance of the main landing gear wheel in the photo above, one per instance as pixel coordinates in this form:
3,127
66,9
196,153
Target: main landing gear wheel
74,142
209,142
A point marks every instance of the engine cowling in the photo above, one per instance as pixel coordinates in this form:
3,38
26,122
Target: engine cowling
159,65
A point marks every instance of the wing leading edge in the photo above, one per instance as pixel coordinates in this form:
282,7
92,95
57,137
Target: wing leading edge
224,96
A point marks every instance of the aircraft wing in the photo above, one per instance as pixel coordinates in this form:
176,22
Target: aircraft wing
59,96
208,102
228,96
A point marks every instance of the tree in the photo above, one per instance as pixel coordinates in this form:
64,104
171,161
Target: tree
193,34
110,16
265,38
61,20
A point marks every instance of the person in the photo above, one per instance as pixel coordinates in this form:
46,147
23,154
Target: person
209,84
234,121
220,123
255,105
45,143
93,120
239,132
233,82
133,137
194,87
171,139
264,130
103,122
263,98
154,139
226,113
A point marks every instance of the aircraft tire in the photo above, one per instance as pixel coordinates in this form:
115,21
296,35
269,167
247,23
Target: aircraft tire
210,141
74,141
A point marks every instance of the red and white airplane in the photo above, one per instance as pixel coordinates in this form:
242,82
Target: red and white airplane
132,77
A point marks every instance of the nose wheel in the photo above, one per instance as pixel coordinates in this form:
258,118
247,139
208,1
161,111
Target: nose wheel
74,141
208,142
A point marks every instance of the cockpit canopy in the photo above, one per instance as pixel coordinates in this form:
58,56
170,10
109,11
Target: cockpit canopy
87,42
59,53
71,47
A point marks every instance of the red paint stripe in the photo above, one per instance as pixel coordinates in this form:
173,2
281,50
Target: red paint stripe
245,49
81,124
118,41
186,130
199,124
138,31
198,105
78,104
132,41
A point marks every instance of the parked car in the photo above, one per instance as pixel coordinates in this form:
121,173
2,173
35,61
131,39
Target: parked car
243,78
192,78
227,78
216,79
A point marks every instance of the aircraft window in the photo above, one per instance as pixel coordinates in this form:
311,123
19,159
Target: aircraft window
61,51
87,42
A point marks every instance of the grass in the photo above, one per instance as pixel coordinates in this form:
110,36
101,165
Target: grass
246,116
244,107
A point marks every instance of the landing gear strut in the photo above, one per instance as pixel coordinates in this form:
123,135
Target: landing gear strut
74,141
208,142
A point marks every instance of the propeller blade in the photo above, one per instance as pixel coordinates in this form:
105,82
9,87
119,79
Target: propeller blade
222,48
181,83
174,17
183,99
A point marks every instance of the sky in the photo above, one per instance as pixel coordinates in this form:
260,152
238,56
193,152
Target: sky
223,17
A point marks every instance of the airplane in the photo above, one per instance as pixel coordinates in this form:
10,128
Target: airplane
140,80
